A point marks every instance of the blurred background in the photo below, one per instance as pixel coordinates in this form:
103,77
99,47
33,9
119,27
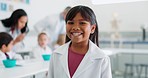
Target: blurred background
123,28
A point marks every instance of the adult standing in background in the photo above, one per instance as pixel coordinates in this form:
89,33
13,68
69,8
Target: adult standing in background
54,25
16,26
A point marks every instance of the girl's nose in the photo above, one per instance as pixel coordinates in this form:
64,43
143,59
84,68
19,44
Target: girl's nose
75,28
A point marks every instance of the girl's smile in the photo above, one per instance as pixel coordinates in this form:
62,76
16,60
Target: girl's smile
76,34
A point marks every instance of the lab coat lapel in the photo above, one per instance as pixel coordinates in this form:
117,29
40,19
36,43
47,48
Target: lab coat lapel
64,62
93,53
83,66
90,57
64,58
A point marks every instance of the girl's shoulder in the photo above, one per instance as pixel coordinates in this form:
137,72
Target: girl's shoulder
96,51
63,48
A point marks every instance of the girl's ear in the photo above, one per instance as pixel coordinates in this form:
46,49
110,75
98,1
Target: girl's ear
93,27
4,47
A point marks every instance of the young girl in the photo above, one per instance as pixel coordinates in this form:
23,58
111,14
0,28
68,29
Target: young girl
80,57
42,47
6,44
16,26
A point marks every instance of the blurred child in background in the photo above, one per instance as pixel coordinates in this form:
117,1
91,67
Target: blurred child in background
54,25
42,47
6,45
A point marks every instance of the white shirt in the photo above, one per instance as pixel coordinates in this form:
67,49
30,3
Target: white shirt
38,51
54,25
12,55
95,63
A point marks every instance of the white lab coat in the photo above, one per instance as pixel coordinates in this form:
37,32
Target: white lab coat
38,51
11,54
95,64
17,46
54,25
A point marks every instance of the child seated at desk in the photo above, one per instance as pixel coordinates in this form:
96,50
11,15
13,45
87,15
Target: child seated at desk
42,47
6,45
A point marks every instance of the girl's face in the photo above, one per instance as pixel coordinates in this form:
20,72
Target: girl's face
22,21
78,29
43,40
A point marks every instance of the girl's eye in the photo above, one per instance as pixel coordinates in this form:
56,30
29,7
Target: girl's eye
82,23
70,22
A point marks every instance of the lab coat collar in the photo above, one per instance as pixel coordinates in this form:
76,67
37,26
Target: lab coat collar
93,54
62,49
94,50
2,55
3,52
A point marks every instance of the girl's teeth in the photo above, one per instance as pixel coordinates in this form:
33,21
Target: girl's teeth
76,34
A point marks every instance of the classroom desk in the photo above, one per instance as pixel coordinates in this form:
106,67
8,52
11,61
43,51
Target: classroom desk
29,68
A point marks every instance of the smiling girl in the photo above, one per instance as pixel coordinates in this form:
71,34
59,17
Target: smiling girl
80,57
